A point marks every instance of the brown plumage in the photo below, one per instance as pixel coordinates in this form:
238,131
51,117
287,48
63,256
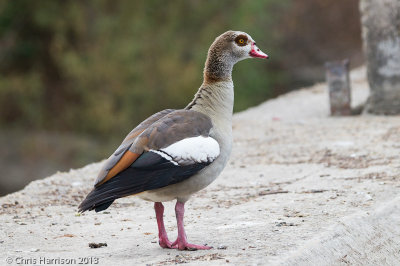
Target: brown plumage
156,132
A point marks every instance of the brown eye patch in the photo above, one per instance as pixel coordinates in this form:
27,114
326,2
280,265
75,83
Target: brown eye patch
241,40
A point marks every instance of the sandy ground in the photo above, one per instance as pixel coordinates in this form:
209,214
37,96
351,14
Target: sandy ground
301,188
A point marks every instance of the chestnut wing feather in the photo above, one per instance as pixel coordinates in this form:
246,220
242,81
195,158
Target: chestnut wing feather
111,163
150,171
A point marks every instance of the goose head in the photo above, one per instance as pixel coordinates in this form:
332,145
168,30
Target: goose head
228,49
243,46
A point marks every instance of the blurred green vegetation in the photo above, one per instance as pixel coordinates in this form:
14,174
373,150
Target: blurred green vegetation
100,67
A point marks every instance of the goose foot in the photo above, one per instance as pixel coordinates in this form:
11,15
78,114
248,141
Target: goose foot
163,240
181,242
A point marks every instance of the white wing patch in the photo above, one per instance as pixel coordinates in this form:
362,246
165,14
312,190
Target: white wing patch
165,156
193,150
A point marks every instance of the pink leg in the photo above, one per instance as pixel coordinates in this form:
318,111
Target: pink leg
162,234
181,242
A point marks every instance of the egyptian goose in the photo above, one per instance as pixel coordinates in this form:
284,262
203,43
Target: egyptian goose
175,153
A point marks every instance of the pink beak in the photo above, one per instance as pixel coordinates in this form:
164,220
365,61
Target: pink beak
256,52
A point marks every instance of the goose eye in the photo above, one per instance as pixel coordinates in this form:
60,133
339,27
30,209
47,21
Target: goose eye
241,40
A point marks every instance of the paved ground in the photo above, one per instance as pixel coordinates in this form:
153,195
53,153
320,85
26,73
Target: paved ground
301,188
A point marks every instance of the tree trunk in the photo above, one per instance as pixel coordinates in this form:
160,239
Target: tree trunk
381,34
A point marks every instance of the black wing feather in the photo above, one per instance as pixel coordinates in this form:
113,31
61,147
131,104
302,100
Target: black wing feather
150,171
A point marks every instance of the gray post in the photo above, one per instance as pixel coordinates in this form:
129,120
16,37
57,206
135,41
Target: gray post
337,76
380,21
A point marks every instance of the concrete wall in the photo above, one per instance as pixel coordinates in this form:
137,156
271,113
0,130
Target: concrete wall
381,35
